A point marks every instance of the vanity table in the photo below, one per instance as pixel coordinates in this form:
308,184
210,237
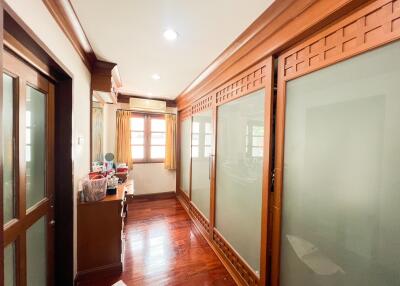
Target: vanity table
100,233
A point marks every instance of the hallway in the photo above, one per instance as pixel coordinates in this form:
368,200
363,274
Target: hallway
167,248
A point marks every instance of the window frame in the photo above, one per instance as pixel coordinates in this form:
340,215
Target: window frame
147,117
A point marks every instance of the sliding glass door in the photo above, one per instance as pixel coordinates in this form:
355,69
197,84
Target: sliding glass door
184,174
239,175
340,197
201,161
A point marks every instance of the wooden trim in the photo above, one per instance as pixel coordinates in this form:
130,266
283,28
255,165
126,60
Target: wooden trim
1,148
363,30
152,196
366,28
66,18
267,169
103,271
281,25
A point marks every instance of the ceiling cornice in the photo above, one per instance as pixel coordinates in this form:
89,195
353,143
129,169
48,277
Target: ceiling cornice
64,14
268,35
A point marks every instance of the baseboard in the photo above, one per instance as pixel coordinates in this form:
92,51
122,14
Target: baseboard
107,270
153,196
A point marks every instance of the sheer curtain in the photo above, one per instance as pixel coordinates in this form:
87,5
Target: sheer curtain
170,145
123,149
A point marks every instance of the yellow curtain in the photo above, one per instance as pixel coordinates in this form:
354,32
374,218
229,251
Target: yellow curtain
123,138
170,144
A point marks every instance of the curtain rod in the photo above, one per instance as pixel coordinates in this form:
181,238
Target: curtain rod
145,112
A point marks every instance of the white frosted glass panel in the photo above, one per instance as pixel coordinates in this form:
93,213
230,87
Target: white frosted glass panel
35,149
341,199
239,176
36,253
185,155
201,161
9,265
8,150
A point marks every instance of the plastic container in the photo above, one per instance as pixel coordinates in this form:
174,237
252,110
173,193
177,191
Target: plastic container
94,189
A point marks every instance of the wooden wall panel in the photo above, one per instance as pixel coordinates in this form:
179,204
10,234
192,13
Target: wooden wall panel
243,269
374,25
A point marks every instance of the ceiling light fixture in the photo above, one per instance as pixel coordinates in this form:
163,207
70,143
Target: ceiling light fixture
149,94
170,35
155,76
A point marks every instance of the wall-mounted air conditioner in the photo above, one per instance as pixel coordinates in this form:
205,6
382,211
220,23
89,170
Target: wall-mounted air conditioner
141,104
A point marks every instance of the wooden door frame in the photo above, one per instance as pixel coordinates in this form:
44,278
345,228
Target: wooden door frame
301,59
28,46
16,229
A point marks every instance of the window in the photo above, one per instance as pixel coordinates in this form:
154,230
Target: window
147,137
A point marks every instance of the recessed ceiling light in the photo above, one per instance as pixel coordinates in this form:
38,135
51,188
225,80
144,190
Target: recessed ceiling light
155,76
170,35
149,94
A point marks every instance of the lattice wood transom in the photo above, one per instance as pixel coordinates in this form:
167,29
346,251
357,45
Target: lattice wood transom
203,103
241,267
200,218
373,25
248,81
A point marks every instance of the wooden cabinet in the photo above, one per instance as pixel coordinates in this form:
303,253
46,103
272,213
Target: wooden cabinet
100,233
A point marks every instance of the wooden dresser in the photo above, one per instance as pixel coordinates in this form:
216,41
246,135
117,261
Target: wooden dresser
100,234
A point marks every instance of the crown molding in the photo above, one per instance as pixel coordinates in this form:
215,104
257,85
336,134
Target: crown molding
65,16
284,23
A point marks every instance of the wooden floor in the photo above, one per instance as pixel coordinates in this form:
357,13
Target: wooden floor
163,247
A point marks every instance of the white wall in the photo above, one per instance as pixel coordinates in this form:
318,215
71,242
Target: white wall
35,14
148,178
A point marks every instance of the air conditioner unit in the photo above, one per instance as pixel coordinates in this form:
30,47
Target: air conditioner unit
141,104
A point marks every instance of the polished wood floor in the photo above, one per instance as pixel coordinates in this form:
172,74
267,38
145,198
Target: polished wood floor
163,247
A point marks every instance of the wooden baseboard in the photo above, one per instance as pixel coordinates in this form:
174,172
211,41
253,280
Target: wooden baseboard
102,271
155,196
239,271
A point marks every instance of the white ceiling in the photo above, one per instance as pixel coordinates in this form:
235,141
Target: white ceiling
129,33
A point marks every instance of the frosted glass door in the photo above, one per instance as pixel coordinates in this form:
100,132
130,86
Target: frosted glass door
201,160
240,135
36,252
341,198
35,145
7,138
185,155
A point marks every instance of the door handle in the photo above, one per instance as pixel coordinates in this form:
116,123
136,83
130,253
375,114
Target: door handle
52,222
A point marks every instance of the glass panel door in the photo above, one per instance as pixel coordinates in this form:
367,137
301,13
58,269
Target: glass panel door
27,148
240,134
201,161
35,146
9,265
341,199
7,138
185,155
36,253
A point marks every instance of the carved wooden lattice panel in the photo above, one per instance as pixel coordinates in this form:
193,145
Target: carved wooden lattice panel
203,103
241,267
374,25
248,81
184,114
199,217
